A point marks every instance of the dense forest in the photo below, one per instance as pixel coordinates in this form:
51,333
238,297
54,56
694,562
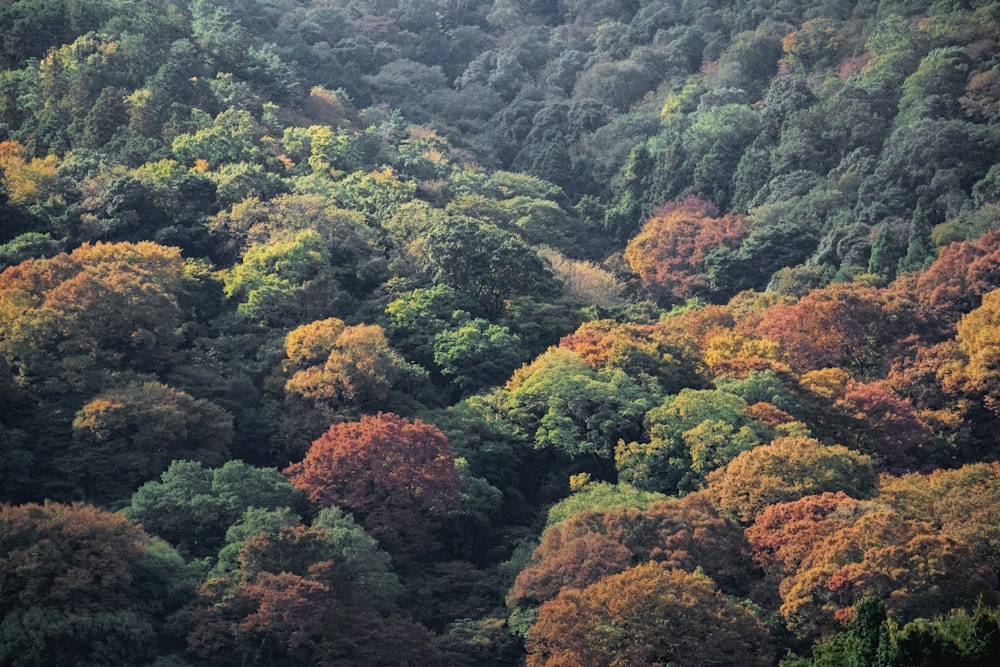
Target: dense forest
494,333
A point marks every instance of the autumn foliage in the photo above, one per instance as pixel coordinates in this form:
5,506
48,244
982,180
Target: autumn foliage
647,615
65,318
81,585
669,252
686,534
396,475
483,334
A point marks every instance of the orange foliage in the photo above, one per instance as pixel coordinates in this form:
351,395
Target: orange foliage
668,253
830,551
589,546
962,503
594,340
109,304
769,415
844,325
732,354
332,364
784,533
913,568
76,557
647,615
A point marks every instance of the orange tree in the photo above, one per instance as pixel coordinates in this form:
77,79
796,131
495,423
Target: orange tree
669,252
647,615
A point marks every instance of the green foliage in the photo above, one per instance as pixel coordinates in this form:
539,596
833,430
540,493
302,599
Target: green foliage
192,507
600,496
484,263
416,317
285,281
475,354
873,639
558,401
28,246
690,435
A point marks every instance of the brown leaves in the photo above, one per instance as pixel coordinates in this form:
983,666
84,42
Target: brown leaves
72,556
590,546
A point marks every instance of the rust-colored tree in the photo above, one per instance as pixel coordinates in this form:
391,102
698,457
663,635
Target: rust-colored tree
957,280
917,570
397,476
784,533
683,533
844,325
647,615
669,252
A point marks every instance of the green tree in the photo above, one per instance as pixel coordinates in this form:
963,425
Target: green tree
690,435
192,506
484,262
416,317
559,401
285,281
475,354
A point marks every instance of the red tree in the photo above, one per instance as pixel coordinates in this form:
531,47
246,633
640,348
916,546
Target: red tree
955,283
397,476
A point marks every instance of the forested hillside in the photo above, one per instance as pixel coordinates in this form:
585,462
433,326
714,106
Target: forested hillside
485,334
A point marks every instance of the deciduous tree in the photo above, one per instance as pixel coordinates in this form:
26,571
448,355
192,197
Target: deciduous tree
128,436
80,586
647,615
669,253
787,469
397,476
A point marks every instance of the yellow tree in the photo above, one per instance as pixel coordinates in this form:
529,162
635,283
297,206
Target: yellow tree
979,338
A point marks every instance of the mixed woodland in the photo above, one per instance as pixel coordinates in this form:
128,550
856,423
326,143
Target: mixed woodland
497,333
